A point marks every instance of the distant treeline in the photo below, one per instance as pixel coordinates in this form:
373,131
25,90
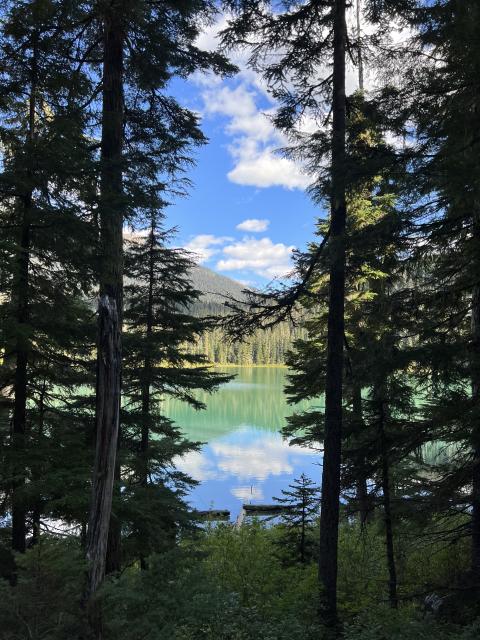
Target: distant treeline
262,348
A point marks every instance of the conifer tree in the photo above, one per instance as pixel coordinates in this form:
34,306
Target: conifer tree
158,364
292,48
377,251
298,35
143,132
301,503
45,171
436,98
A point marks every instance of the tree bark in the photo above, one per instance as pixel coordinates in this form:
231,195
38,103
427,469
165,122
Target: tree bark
147,374
22,346
363,501
37,474
387,509
330,506
302,537
147,363
109,350
113,561
361,84
475,382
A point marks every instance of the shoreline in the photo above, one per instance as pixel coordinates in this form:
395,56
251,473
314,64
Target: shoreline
217,365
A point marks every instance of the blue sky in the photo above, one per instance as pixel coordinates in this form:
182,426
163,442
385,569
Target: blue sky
247,208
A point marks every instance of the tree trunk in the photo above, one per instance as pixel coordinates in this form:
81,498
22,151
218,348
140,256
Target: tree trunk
334,375
302,538
19,529
113,561
147,375
363,502
22,346
387,509
109,352
475,369
147,363
361,84
37,474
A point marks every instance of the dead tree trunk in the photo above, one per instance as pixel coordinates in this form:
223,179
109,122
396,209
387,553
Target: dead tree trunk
330,507
105,450
109,351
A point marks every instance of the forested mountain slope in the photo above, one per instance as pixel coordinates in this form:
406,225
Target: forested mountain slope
264,347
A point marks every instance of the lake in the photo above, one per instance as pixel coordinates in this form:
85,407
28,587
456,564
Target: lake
245,459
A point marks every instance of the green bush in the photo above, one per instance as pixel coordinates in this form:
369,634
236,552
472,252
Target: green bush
45,603
406,624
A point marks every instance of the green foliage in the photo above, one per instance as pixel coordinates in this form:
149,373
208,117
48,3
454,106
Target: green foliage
301,502
45,603
229,583
235,590
405,624
262,348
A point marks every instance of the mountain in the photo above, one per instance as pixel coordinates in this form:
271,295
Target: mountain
261,348
215,287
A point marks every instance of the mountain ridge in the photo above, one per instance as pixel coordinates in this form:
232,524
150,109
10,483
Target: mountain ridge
214,286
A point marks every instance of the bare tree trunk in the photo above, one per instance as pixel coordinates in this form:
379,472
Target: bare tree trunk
387,509
22,346
113,561
105,452
334,376
109,356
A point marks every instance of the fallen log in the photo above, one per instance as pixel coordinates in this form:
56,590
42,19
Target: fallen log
213,514
260,510
264,509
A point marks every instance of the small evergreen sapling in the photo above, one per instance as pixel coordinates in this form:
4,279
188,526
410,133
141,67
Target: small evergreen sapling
301,501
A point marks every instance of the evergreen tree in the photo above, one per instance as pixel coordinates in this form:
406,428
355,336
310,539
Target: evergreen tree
292,48
301,504
45,173
143,136
157,364
375,325
436,100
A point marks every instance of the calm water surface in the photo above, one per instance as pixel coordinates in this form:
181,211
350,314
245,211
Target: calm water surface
245,459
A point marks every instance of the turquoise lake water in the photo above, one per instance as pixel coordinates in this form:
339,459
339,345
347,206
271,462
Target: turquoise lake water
245,459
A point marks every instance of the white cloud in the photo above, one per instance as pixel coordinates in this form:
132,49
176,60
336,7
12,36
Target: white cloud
264,168
251,458
258,459
261,256
197,465
206,245
254,225
248,493
255,141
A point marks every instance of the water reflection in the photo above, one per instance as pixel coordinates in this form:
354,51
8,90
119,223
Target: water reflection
245,458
